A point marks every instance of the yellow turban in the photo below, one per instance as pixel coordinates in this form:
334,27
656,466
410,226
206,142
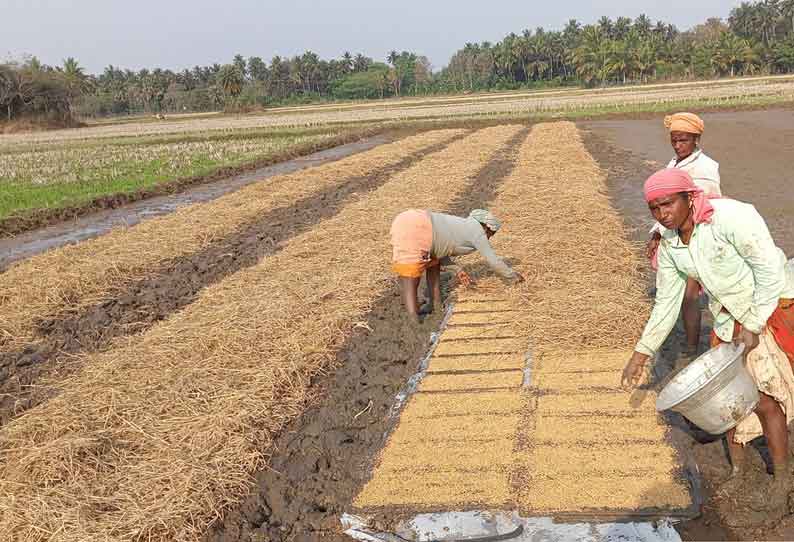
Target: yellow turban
684,122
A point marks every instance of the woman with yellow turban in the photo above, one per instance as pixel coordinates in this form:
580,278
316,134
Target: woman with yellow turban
686,130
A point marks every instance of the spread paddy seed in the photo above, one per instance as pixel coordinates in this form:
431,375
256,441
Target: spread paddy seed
477,363
481,346
468,382
482,318
501,331
585,429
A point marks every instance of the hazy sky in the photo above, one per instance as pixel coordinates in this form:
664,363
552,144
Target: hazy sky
181,33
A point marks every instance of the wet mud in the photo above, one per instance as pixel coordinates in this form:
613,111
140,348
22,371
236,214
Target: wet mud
141,304
752,169
102,215
754,150
322,459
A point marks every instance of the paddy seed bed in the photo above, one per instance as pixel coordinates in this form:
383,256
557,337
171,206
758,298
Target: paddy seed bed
572,442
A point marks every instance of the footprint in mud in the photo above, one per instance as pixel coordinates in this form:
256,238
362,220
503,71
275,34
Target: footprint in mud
744,503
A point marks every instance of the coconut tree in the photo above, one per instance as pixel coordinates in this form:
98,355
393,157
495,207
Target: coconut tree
361,63
241,65
230,80
257,69
783,55
621,60
593,57
643,25
742,20
621,27
787,10
732,54
75,80
74,76
767,16
347,62
645,58
606,27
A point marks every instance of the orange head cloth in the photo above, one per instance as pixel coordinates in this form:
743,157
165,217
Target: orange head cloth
684,122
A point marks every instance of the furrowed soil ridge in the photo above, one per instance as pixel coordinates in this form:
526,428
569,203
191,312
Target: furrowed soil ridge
176,284
321,460
39,218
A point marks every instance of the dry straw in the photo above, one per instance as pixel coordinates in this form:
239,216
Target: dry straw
152,440
69,279
584,286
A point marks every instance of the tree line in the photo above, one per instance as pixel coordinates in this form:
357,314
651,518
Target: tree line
757,38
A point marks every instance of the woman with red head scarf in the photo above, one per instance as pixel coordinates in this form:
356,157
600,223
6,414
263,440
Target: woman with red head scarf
686,129
725,245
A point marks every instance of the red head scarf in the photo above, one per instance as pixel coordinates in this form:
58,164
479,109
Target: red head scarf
667,182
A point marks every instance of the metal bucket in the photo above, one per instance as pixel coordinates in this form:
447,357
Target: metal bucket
715,392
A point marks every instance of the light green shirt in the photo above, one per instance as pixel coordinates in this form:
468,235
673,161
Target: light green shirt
735,260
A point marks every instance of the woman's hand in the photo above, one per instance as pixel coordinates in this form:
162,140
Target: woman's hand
653,244
463,279
632,374
749,339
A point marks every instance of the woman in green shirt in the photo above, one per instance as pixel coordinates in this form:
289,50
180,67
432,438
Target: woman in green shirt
725,245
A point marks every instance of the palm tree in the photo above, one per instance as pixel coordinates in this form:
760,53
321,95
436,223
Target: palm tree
742,20
621,27
257,69
643,25
361,63
605,24
592,57
645,58
732,53
231,80
768,14
76,81
347,62
787,10
620,61
570,33
240,64
783,54
544,60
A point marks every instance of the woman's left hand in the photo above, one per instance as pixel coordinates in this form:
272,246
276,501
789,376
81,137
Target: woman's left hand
749,339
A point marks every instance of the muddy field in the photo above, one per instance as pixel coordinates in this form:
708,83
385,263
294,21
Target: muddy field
753,149
187,330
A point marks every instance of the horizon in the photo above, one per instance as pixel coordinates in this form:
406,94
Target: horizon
108,39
